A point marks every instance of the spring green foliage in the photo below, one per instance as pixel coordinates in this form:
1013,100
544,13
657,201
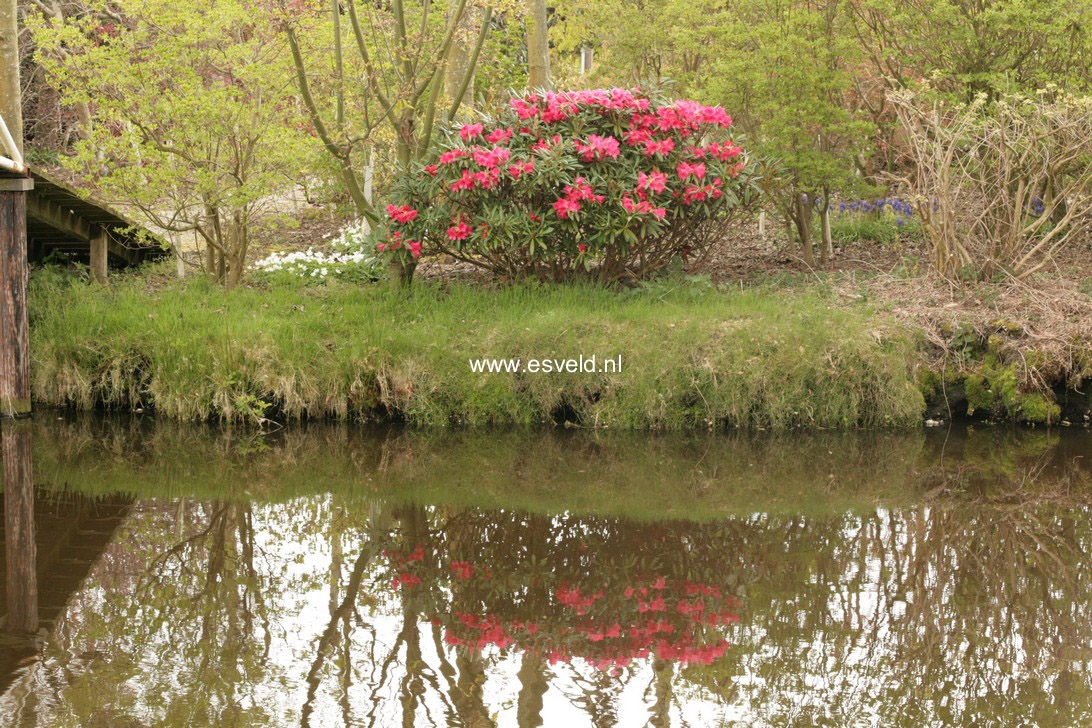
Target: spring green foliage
691,355
194,120
967,48
882,230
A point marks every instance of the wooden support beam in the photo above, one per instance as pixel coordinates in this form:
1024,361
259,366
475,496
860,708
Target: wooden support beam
20,550
99,245
132,256
14,328
57,217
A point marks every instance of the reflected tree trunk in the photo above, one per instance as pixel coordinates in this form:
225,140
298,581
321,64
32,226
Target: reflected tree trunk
414,524
661,711
471,703
20,549
532,686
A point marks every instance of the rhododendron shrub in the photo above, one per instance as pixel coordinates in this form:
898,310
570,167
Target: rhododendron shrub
617,182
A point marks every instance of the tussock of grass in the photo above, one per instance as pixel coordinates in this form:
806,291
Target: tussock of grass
692,356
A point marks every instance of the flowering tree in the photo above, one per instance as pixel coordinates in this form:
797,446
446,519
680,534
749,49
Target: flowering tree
615,182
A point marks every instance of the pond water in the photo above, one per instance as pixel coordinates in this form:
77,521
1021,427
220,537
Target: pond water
330,575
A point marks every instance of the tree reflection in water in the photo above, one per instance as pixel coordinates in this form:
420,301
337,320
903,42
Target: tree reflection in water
966,602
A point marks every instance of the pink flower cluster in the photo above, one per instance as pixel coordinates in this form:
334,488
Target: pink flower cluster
462,569
579,191
573,151
617,635
597,148
405,213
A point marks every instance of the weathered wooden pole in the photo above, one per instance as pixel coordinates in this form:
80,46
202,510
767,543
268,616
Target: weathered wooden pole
19,546
20,549
14,184
99,248
14,350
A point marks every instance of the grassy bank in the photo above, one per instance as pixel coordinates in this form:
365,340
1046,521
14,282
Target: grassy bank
692,355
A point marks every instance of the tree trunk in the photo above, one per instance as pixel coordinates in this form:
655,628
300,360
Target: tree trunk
532,686
538,45
234,272
10,99
802,218
458,60
400,274
824,216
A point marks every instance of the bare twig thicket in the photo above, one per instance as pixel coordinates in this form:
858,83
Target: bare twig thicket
1001,186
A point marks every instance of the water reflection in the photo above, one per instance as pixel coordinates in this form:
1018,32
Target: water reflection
341,577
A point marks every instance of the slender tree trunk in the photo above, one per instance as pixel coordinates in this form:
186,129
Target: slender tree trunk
400,274
339,65
803,228
458,60
532,686
10,99
538,45
824,216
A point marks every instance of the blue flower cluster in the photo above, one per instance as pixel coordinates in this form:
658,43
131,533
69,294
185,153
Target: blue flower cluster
1036,206
902,210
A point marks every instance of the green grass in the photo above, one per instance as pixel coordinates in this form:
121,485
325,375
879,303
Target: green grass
692,355
882,230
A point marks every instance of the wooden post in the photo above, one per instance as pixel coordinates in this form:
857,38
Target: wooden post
14,349
19,545
98,255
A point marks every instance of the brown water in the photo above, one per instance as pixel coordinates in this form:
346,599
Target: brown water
332,576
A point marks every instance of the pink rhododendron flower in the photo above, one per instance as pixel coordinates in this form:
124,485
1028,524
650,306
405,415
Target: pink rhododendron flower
450,156
462,569
490,158
685,170
659,146
499,136
466,182
581,190
415,248
653,182
581,247
469,131
405,580
565,207
431,169
520,168
597,147
460,231
402,214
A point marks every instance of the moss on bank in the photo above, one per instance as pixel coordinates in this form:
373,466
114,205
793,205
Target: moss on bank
692,355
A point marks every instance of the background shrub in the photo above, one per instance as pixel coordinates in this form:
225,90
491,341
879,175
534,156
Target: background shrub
618,183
